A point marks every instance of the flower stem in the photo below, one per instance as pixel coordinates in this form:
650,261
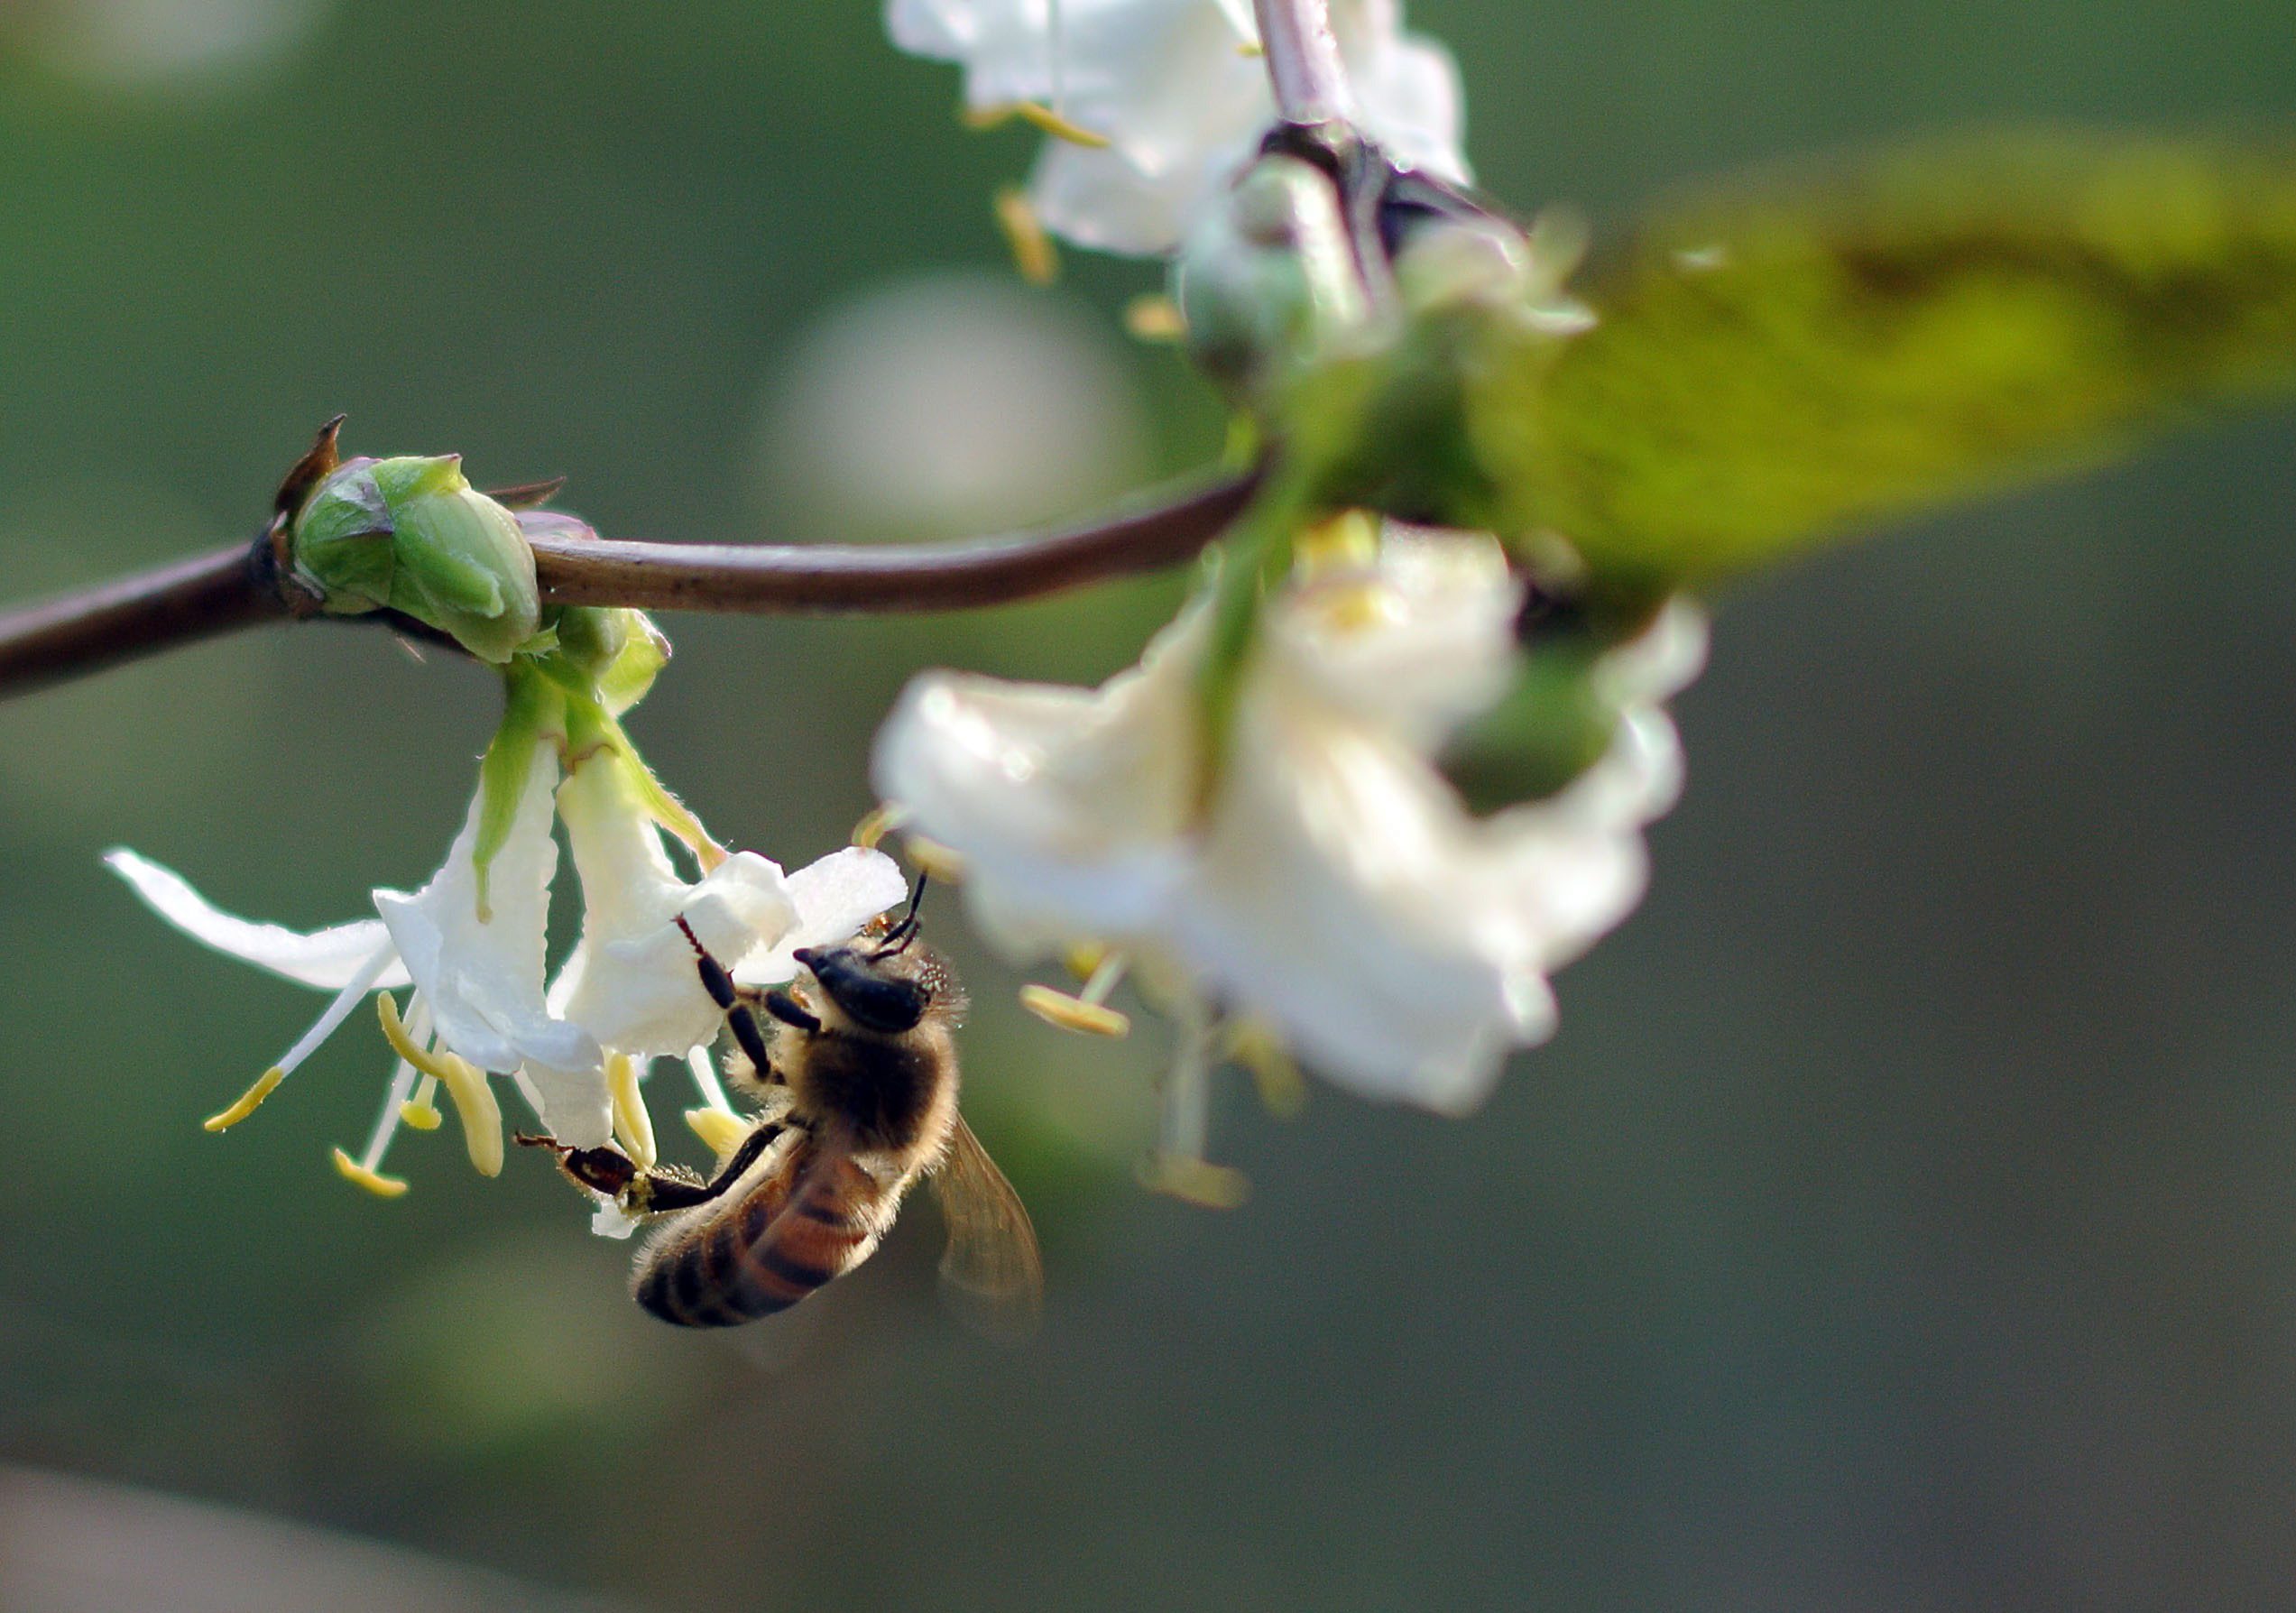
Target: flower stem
222,592
1303,62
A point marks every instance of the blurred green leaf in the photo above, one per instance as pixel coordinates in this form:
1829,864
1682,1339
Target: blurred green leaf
1787,360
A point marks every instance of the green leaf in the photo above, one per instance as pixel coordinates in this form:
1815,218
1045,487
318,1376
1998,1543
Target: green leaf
1791,359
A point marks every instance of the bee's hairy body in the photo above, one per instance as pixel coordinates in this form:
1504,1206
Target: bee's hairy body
855,1115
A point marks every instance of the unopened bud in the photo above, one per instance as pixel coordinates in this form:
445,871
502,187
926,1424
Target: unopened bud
1268,280
412,535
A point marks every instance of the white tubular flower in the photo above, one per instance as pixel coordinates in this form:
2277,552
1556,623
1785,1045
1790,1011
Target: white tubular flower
1337,889
477,1003
1153,102
634,983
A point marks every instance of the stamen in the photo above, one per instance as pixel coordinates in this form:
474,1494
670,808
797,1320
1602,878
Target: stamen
249,1101
873,828
632,1126
420,1111
1084,959
705,1081
720,1130
1033,253
473,1094
1178,1166
396,1105
1073,1013
1037,116
382,1186
528,1091
1105,978
1283,1089
1346,541
936,859
359,985
1152,317
1196,1182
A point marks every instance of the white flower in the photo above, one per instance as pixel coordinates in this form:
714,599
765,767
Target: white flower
1336,889
478,975
634,983
1177,91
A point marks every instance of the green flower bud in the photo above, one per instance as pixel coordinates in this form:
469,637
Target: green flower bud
1267,280
590,639
463,564
342,541
410,534
645,651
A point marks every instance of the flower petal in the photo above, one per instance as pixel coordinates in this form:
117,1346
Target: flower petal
325,959
481,974
834,897
576,1104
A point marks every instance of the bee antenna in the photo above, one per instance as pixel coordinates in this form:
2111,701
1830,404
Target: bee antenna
897,940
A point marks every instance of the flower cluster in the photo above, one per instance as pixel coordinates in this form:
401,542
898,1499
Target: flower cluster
1258,824
473,941
1152,105
1334,891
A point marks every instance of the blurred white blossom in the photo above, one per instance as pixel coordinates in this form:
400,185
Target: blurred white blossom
1172,97
949,404
167,44
1336,889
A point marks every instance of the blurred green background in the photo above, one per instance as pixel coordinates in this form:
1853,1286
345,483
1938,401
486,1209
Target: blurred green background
1904,1219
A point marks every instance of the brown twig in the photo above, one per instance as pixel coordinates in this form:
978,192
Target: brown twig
886,577
240,586
99,627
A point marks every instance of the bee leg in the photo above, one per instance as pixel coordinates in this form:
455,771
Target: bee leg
668,1192
612,1173
789,1011
723,992
600,1170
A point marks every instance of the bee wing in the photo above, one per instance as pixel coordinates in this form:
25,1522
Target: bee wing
992,1275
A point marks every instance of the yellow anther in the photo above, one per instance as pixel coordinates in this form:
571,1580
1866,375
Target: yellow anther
249,1102
1196,1182
1250,47
467,1085
1073,1013
1346,541
887,817
936,859
720,1129
1036,114
1153,317
422,1117
1084,959
1033,253
375,1182
632,1126
1283,1089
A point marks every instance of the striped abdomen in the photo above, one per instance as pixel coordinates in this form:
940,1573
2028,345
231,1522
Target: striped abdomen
812,1214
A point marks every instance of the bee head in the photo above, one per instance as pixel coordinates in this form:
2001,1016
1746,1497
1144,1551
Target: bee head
875,990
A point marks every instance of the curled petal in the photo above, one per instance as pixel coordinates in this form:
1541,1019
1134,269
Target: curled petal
642,993
833,899
325,959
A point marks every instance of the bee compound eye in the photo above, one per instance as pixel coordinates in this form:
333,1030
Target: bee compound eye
881,1002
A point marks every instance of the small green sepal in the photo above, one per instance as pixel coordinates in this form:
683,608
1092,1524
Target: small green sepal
532,707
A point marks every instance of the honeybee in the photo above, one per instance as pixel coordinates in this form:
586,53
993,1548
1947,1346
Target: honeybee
857,1090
